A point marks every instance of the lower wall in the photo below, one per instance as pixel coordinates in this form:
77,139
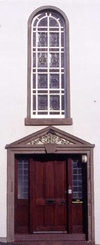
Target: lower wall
3,239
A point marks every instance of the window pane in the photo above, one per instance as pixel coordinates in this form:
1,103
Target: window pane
62,102
42,60
43,22
34,81
34,60
53,22
62,60
34,102
54,39
54,102
77,179
62,81
42,81
42,39
54,81
54,60
34,39
42,113
42,102
62,39
22,179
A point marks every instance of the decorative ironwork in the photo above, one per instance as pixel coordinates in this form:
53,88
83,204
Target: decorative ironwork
50,138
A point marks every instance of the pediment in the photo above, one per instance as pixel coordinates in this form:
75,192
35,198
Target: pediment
49,136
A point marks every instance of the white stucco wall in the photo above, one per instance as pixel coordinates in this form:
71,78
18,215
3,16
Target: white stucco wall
84,19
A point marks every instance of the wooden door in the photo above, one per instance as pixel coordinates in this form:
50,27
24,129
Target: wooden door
48,195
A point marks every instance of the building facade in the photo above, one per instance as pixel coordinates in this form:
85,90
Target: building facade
49,69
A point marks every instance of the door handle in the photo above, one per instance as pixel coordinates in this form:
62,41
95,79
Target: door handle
63,203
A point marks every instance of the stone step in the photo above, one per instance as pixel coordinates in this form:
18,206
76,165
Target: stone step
50,237
54,243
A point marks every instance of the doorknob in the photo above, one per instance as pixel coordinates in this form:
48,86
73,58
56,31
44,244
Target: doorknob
63,203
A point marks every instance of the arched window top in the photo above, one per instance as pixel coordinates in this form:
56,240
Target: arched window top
48,68
56,12
48,18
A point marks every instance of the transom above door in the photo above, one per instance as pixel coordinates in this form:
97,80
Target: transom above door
50,194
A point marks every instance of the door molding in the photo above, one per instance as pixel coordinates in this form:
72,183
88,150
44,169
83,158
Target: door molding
49,140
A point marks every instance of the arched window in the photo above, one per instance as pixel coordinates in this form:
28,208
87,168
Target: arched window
48,68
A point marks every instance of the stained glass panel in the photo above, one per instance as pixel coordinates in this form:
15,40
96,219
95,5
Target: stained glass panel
42,60
34,60
34,40
54,102
62,60
54,39
43,22
62,102
42,81
62,39
42,39
54,81
42,102
54,60
34,80
34,102
62,80
53,22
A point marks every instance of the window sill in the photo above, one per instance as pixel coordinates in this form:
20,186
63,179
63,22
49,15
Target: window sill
45,121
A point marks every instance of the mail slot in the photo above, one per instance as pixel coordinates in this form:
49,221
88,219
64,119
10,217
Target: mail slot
50,201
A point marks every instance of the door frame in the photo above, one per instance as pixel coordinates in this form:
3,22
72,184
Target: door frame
49,140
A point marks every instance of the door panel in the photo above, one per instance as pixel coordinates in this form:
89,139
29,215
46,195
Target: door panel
48,183
77,217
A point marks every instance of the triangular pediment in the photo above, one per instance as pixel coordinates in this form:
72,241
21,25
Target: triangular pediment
49,135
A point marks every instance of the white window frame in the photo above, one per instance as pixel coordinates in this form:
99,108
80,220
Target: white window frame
63,116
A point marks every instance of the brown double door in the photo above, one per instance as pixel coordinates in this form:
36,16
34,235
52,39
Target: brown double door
50,194
48,200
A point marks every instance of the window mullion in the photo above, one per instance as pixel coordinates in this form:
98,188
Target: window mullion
37,70
32,70
48,71
60,65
